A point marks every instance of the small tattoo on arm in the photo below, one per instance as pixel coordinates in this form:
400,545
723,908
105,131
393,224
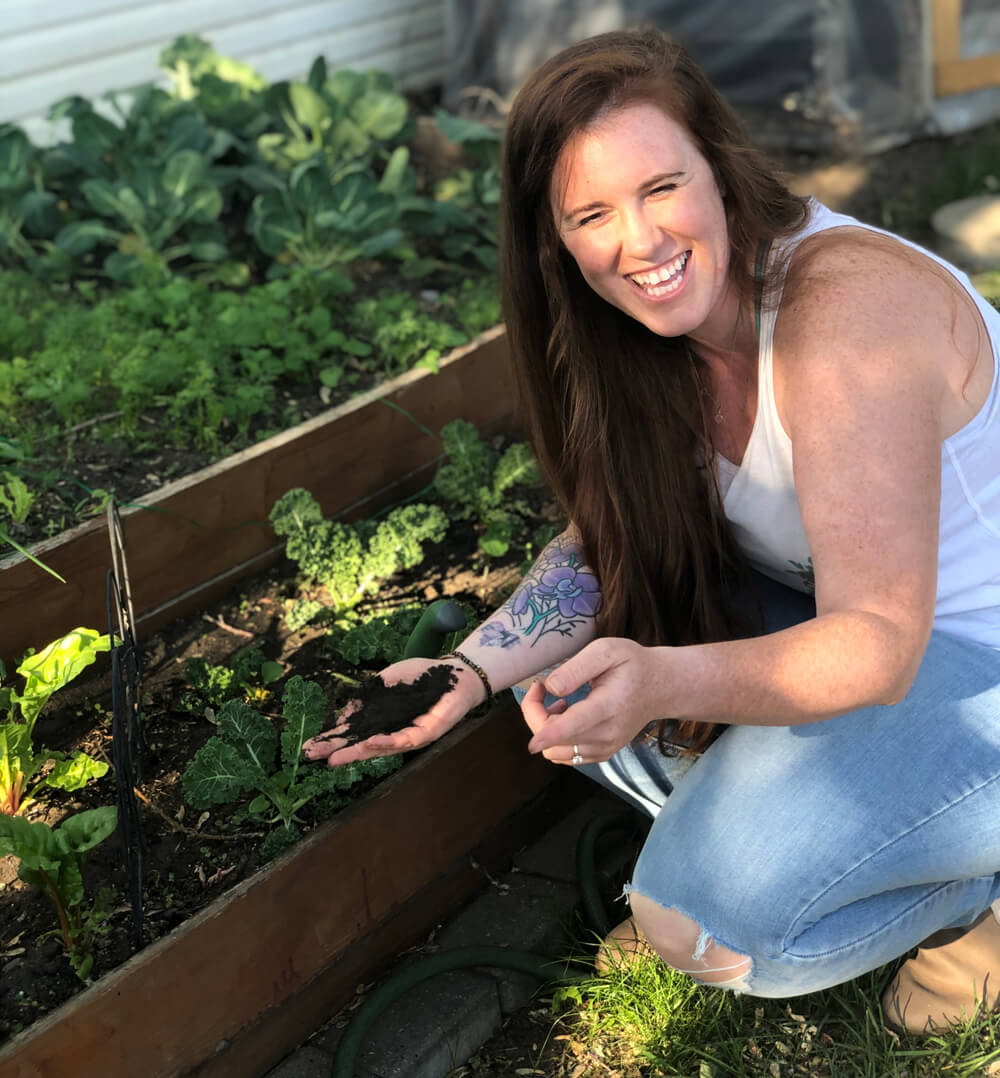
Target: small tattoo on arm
493,634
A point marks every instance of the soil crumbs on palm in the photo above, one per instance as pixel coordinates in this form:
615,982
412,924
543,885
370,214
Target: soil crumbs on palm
386,709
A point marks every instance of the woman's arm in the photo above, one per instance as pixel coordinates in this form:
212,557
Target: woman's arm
547,619
865,357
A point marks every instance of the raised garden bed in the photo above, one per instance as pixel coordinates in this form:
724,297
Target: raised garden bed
193,539
359,887
237,986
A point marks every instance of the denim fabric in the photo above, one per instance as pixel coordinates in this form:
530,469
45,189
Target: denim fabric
824,850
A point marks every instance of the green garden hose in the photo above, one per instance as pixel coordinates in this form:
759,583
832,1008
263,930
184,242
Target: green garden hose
552,971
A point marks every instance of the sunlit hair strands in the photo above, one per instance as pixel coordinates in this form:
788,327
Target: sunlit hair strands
613,410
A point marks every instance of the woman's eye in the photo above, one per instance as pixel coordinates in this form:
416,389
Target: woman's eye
663,188
589,219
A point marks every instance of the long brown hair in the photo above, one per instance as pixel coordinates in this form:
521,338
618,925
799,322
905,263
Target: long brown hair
613,410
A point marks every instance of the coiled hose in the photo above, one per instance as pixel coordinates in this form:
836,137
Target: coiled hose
548,970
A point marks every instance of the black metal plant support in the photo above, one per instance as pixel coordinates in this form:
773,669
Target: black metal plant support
126,730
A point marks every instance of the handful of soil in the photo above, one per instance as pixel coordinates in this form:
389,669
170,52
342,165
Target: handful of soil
385,709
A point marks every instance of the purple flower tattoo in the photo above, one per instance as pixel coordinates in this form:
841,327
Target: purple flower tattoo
557,595
575,591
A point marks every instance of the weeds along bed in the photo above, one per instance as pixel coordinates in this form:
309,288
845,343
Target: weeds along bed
216,262
227,698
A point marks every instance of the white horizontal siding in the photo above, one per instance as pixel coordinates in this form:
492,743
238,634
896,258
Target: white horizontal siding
91,47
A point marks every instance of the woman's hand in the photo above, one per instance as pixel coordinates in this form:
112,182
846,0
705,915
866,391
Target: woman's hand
452,706
623,698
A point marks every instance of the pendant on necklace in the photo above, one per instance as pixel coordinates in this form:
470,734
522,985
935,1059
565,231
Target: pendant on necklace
719,417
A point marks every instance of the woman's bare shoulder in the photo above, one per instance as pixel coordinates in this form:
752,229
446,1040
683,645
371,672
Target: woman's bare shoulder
853,286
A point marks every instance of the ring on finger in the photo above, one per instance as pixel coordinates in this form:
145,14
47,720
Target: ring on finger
577,758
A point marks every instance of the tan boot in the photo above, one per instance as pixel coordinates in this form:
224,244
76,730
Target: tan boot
948,981
622,946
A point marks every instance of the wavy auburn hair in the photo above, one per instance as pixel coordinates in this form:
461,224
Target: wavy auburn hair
613,411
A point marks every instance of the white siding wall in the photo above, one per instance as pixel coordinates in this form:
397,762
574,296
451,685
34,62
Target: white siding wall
52,48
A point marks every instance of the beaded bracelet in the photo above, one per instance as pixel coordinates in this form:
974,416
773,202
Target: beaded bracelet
475,668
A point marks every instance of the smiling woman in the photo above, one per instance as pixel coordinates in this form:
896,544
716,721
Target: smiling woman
776,434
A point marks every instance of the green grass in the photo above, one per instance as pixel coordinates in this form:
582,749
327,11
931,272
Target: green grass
648,1021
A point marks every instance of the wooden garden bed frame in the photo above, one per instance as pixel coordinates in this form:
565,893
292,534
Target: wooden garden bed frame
239,985
192,540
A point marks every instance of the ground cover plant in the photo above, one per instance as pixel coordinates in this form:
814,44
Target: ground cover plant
216,262
228,698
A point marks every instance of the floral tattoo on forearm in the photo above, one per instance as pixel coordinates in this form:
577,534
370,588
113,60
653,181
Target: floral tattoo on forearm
558,594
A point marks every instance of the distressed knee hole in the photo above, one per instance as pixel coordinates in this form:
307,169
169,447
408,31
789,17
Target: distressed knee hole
687,947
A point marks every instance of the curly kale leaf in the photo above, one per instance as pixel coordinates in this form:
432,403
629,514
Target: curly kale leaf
237,760
464,481
351,561
303,708
382,637
397,542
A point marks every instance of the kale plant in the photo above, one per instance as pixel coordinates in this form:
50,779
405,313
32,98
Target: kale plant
249,755
52,859
475,480
350,561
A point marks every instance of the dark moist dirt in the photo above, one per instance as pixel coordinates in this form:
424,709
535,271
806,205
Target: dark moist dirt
191,857
386,709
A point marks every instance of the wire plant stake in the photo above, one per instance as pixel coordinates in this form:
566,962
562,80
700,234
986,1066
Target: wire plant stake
126,730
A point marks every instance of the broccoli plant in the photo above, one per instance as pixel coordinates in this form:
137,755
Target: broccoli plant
52,859
44,673
475,480
350,560
248,755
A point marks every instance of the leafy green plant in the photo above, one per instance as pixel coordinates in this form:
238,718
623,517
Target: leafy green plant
350,560
245,676
30,216
318,223
52,859
227,92
475,480
346,120
462,216
248,755
15,497
403,335
21,766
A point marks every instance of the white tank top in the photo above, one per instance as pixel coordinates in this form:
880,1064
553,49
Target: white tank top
760,501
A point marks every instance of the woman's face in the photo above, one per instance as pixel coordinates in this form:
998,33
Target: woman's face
639,209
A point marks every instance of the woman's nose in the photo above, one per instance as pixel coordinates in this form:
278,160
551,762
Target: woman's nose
640,234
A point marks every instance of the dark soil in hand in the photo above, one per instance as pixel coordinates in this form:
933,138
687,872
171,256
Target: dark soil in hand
386,709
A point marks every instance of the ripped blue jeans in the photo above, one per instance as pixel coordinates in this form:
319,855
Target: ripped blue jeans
822,851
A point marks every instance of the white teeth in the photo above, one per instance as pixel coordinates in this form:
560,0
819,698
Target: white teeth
668,276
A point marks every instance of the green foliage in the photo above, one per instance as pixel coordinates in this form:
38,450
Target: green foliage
475,481
16,499
317,223
246,676
380,638
350,560
249,755
44,673
403,335
52,859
